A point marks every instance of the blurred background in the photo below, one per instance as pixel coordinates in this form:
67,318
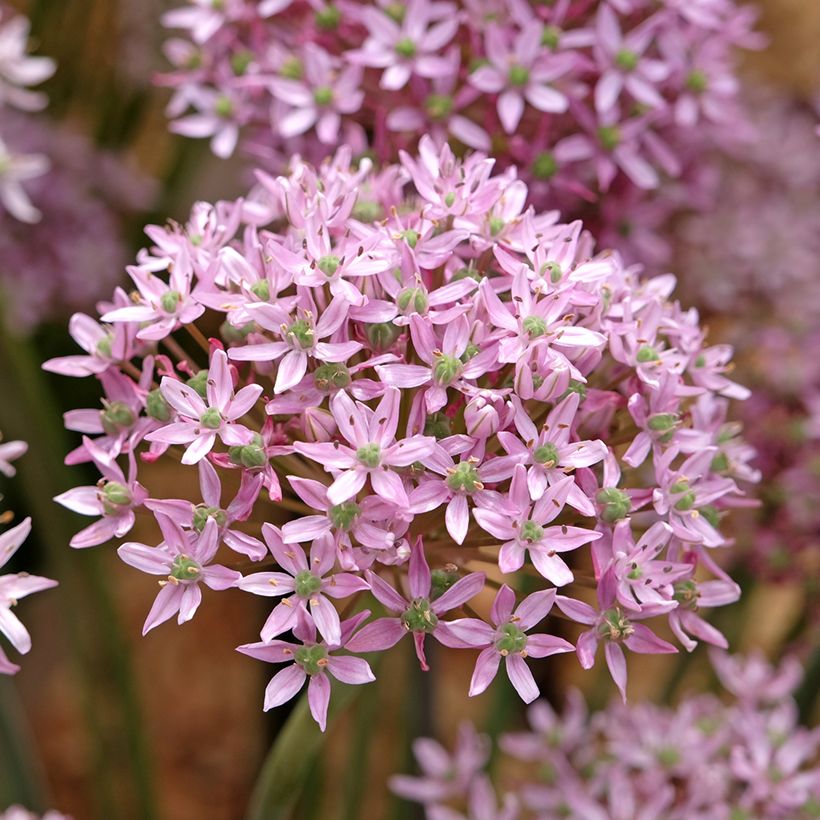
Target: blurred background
102,723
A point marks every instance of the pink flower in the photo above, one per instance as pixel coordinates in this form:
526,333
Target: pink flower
625,62
185,559
114,497
412,47
194,516
373,450
202,422
521,73
522,525
508,640
307,582
327,92
419,613
613,626
12,589
311,661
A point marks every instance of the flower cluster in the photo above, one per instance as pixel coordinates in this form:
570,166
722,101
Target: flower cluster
751,259
581,96
444,390
703,758
14,586
61,237
18,71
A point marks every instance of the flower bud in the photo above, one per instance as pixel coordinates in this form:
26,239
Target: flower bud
199,382
116,417
614,503
442,580
202,513
156,406
331,376
382,335
446,369
319,425
438,425
114,496
481,418
412,300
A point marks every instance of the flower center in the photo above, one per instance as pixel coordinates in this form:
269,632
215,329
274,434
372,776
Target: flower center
646,354
626,59
534,326
439,106
156,406
610,137
211,418
307,584
531,532
662,422
546,454
261,290
545,166
465,478
369,455
185,568
223,107
519,75
438,425
687,499
511,640
686,594
302,331
406,48
413,300
419,617
113,496
328,17
311,658
551,37
116,417
382,335
343,515
446,369
615,626
249,455
323,95
697,81
328,265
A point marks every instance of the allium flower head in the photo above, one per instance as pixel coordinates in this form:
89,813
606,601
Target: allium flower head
438,384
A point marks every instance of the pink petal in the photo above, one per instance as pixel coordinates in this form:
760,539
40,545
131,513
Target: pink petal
283,686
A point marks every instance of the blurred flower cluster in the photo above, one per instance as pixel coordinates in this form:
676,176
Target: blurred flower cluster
701,759
753,253
18,71
62,199
443,389
14,586
583,97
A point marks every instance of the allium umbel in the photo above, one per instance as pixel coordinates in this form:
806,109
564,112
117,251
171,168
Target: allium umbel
435,388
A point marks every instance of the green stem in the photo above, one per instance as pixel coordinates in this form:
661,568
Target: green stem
291,758
22,780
